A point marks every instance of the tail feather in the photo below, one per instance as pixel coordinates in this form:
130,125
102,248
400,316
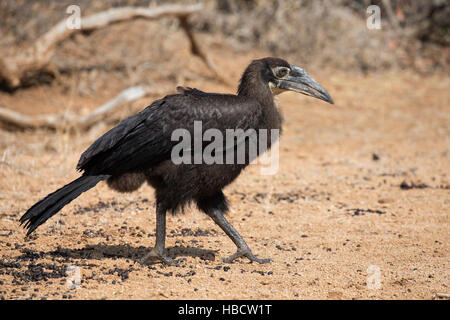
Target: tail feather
51,204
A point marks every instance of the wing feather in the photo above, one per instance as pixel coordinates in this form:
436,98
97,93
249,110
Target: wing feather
144,140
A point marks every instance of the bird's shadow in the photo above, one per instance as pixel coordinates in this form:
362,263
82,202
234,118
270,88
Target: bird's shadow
137,254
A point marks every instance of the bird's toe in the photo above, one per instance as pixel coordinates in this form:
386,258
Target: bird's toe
156,254
247,254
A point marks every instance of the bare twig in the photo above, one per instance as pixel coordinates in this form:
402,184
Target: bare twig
14,65
197,50
81,122
391,15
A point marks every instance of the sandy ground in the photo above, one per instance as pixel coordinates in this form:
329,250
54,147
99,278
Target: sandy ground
359,207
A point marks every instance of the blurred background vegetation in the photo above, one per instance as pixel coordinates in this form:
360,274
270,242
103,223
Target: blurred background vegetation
319,34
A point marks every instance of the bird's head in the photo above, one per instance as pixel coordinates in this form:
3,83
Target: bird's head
280,76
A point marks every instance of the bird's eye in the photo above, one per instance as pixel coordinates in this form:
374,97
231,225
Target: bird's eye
282,72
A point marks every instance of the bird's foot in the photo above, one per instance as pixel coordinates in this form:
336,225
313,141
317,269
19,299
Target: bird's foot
159,254
245,253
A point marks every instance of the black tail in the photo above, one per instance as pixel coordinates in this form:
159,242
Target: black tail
51,204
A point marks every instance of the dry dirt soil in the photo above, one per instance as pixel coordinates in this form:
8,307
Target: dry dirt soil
359,207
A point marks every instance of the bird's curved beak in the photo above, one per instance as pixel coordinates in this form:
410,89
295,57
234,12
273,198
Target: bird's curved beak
300,81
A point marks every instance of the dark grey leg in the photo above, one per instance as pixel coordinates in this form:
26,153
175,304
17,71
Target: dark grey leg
243,249
159,250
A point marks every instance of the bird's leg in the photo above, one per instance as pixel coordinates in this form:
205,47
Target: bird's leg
243,249
159,251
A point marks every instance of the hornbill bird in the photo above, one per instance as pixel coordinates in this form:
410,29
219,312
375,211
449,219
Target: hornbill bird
139,149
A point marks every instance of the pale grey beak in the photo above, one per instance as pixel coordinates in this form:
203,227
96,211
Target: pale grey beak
300,81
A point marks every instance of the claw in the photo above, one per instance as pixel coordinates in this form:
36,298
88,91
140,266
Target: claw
245,253
162,256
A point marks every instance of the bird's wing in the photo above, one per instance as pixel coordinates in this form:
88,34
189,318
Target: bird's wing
112,137
144,140
189,90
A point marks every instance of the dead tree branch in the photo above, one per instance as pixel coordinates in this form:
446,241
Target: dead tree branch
197,50
14,65
62,121
391,15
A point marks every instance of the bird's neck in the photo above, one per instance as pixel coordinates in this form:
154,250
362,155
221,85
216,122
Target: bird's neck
253,86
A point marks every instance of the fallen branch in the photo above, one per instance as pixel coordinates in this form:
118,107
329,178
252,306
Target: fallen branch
62,121
14,65
197,50
391,15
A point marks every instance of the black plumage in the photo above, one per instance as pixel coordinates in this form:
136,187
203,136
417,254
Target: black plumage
139,149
